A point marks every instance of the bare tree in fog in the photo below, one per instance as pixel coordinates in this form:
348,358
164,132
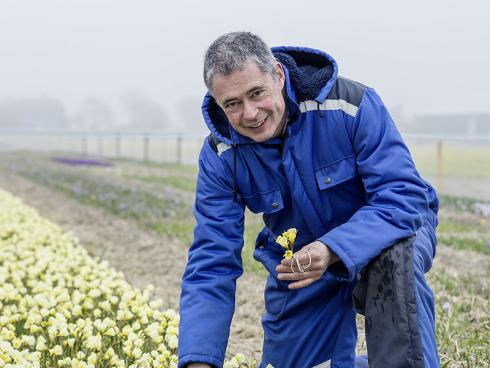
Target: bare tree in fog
94,114
33,113
143,112
190,116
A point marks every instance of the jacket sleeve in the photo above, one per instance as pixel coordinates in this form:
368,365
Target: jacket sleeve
207,298
396,196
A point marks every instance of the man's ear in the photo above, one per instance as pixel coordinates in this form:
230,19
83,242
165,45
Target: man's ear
280,75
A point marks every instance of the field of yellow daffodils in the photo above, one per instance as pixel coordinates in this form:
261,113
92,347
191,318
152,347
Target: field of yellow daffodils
62,308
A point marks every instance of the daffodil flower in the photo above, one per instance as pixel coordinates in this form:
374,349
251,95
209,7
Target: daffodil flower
290,234
286,240
283,242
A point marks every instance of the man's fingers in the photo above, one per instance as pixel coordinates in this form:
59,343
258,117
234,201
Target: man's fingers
302,283
297,276
287,269
305,259
302,256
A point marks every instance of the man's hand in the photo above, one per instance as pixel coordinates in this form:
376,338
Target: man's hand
198,365
321,258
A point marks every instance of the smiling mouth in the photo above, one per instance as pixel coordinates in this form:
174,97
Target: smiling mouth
258,125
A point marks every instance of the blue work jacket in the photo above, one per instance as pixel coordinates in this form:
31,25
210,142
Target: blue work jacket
341,175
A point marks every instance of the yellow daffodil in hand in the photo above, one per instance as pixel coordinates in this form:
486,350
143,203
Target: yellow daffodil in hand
286,240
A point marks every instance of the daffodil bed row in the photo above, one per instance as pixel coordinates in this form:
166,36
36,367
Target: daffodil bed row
62,308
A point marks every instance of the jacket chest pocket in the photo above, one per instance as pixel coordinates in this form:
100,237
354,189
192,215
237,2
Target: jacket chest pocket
265,202
341,187
336,173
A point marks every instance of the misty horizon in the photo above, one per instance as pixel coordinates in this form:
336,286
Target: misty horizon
422,57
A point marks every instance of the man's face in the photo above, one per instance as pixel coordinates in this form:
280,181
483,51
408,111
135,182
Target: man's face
252,101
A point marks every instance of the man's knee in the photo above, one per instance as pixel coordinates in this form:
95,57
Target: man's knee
379,275
385,294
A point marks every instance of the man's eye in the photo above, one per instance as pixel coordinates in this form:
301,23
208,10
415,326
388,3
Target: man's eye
258,93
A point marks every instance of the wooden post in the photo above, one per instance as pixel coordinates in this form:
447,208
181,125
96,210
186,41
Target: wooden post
84,145
118,145
100,149
179,150
146,145
439,166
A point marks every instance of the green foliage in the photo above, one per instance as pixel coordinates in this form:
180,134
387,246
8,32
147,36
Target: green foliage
474,164
463,225
462,318
172,181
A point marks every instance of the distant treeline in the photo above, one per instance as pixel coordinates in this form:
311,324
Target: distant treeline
41,113
33,113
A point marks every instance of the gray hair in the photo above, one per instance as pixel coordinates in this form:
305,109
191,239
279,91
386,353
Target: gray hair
229,52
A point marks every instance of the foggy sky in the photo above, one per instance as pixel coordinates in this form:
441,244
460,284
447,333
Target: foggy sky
426,56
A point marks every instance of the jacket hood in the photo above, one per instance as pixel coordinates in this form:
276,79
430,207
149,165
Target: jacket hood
310,75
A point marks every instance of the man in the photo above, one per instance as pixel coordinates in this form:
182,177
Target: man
319,153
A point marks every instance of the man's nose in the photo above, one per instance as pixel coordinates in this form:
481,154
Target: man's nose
249,111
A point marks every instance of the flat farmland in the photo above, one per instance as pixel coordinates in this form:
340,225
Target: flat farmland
138,216
459,169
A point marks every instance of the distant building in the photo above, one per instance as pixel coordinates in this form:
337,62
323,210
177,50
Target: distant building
468,125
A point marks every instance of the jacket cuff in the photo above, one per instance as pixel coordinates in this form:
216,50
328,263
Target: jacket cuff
345,269
199,358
